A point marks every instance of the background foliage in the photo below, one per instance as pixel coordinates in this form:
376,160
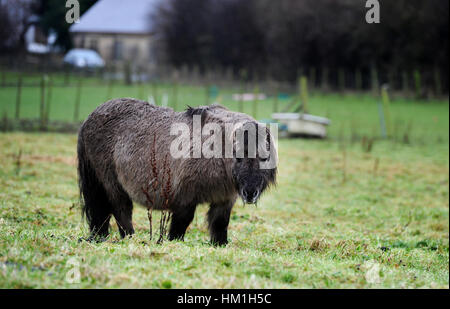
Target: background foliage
280,37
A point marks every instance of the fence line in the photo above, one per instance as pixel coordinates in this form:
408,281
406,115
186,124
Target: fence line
404,83
417,83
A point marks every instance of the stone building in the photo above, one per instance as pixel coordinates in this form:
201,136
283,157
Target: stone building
120,31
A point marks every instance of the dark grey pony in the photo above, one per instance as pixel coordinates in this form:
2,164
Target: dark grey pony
124,156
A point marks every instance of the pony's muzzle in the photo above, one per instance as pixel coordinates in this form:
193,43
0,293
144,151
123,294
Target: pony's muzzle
250,195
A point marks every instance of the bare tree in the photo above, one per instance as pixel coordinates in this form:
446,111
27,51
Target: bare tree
14,22
287,36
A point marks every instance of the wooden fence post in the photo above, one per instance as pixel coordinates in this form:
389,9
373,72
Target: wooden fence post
109,89
312,78
42,103
304,97
391,80
255,102
155,92
140,92
18,96
341,79
418,83
324,79
374,79
3,77
175,95
386,109
207,94
405,83
243,76
275,101
77,101
358,80
49,100
66,76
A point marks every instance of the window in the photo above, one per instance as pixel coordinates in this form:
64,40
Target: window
118,50
94,45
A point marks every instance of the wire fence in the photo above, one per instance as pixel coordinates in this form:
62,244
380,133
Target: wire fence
154,85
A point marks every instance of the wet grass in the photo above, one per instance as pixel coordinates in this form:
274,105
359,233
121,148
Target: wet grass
344,215
328,224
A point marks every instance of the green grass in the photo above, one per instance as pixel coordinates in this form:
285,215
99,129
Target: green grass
359,220
424,121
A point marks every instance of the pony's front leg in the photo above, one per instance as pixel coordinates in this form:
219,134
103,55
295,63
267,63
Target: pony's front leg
218,219
181,218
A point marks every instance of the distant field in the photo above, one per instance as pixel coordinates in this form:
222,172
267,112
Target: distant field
341,217
351,114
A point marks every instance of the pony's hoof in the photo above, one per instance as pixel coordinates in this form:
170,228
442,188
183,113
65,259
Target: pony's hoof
97,239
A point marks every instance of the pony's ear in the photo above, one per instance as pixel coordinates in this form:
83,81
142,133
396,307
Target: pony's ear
201,110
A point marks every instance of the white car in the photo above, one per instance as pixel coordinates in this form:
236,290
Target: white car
84,58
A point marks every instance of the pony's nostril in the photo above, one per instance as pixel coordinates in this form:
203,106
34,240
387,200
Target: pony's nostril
245,193
252,194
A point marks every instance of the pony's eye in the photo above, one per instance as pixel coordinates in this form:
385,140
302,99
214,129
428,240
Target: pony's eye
263,159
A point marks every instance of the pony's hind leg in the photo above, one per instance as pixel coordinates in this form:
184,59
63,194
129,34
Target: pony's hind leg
95,203
123,212
98,213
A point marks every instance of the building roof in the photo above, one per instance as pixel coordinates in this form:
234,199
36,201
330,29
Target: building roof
118,16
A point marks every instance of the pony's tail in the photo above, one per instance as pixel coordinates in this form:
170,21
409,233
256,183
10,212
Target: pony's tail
90,187
94,202
84,175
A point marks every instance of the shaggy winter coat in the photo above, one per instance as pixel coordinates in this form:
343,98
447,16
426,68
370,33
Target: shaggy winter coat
124,156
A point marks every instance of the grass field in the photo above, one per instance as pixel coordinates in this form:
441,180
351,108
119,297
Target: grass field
351,113
340,217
